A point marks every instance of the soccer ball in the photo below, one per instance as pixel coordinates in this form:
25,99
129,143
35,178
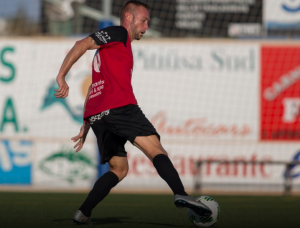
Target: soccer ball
204,221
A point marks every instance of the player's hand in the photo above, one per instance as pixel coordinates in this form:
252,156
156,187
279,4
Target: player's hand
81,136
63,89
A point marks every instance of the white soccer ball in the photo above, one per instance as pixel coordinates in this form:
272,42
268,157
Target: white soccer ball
204,221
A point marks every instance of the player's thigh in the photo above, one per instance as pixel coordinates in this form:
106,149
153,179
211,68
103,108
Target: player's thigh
119,165
150,145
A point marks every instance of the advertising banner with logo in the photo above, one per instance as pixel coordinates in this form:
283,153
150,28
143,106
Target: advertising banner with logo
28,73
202,97
58,166
280,95
234,176
34,126
187,90
199,90
282,17
16,161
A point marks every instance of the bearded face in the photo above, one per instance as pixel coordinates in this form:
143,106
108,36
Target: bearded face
134,29
139,23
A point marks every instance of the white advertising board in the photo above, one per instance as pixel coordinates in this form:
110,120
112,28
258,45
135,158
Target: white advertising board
57,166
194,90
199,90
202,97
36,128
30,70
281,14
183,156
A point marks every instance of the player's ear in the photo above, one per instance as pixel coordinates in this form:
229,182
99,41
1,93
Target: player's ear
128,17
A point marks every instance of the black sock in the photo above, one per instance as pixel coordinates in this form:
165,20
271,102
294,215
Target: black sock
166,171
101,189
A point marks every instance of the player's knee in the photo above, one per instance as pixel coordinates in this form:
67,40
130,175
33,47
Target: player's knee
161,151
121,173
154,154
165,153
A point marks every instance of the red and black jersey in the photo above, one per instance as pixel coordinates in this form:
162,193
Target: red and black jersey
112,70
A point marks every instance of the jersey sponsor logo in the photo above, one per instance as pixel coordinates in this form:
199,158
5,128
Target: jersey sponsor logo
99,116
96,89
103,36
98,83
97,62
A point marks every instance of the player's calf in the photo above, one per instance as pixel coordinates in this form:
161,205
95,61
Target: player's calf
167,171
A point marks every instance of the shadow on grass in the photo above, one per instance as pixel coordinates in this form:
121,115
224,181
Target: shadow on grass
115,220
118,220
107,220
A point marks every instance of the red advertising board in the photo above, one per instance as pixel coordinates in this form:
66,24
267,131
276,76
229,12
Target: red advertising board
280,93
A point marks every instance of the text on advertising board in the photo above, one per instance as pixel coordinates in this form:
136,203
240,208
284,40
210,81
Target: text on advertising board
280,93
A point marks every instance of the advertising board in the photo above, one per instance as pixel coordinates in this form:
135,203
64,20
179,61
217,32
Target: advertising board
16,161
263,176
207,100
200,91
34,126
280,93
282,17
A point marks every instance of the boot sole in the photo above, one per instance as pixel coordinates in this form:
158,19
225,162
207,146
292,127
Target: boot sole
180,203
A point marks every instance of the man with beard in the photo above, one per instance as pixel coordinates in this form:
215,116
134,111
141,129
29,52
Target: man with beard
112,111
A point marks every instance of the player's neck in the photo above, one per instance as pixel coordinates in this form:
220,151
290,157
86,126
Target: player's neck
129,32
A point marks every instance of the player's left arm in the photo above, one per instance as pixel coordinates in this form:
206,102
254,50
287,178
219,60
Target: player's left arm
83,130
74,54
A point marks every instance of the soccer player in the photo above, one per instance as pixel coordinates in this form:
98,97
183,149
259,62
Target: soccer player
111,110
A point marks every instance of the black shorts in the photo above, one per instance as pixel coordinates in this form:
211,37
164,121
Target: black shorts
115,126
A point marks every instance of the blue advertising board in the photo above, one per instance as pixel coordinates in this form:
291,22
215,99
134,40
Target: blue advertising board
15,162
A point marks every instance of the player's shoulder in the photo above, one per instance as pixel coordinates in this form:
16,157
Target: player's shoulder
110,34
115,29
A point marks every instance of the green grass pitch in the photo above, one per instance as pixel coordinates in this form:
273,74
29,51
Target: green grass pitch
22,210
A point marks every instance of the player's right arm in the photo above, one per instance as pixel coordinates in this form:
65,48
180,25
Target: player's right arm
93,41
74,54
